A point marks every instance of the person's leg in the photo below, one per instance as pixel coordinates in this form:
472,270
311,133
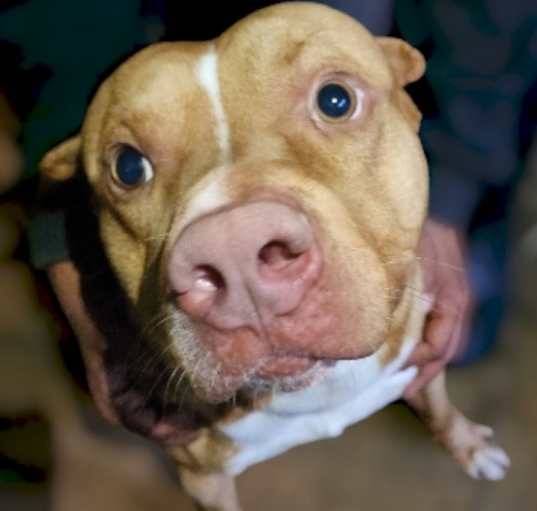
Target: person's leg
488,270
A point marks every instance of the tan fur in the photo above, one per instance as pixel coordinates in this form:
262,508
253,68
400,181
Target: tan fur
213,491
409,315
207,453
60,163
407,63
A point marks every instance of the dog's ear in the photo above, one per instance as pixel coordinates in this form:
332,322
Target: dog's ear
61,162
407,63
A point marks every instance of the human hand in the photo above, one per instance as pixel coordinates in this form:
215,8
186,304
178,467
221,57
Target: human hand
441,253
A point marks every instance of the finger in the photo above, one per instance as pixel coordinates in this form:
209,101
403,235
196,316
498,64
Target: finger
426,374
436,336
431,369
446,325
462,337
460,332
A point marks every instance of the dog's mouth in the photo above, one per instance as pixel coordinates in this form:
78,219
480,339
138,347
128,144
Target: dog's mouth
287,354
285,366
283,373
290,372
286,374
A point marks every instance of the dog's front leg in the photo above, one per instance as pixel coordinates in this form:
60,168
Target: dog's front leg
212,491
469,443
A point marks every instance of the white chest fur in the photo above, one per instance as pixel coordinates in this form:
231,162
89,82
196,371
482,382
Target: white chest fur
348,393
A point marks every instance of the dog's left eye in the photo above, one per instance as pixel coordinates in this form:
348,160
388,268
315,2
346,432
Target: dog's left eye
336,102
132,168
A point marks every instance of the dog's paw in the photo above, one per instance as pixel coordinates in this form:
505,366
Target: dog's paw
490,463
471,445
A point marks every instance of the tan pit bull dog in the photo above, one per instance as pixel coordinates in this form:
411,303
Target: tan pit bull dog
260,199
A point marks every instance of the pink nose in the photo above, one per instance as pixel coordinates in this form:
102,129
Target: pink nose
245,265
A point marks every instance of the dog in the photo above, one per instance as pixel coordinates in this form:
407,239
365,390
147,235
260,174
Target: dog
259,200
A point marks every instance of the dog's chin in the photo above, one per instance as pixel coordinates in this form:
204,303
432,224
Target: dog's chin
291,382
259,382
211,383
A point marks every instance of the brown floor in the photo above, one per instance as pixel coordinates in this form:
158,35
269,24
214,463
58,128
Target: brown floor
388,462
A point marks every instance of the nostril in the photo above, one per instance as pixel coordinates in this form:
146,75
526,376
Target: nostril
206,284
208,279
277,255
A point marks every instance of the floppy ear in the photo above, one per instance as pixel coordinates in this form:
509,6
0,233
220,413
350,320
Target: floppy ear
61,162
407,63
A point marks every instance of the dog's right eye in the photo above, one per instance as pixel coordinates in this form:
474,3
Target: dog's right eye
132,168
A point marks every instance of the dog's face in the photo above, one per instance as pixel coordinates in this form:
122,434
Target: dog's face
261,196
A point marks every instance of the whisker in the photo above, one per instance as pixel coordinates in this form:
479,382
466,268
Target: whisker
157,381
178,385
167,388
425,298
441,263
155,358
410,259
194,371
157,322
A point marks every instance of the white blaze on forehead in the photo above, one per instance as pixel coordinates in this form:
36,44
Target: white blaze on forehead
210,194
207,73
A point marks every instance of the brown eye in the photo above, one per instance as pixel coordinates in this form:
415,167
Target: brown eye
336,102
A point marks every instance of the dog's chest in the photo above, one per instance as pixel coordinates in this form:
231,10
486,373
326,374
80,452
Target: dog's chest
348,393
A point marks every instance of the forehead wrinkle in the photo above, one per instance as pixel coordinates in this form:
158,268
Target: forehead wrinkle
298,36
324,49
159,125
124,130
158,84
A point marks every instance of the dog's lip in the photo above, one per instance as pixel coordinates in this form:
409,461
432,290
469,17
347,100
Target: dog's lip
282,366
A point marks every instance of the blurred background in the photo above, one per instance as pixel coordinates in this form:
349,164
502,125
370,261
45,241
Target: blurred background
479,100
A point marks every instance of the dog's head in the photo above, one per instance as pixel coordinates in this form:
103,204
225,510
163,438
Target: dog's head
260,196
